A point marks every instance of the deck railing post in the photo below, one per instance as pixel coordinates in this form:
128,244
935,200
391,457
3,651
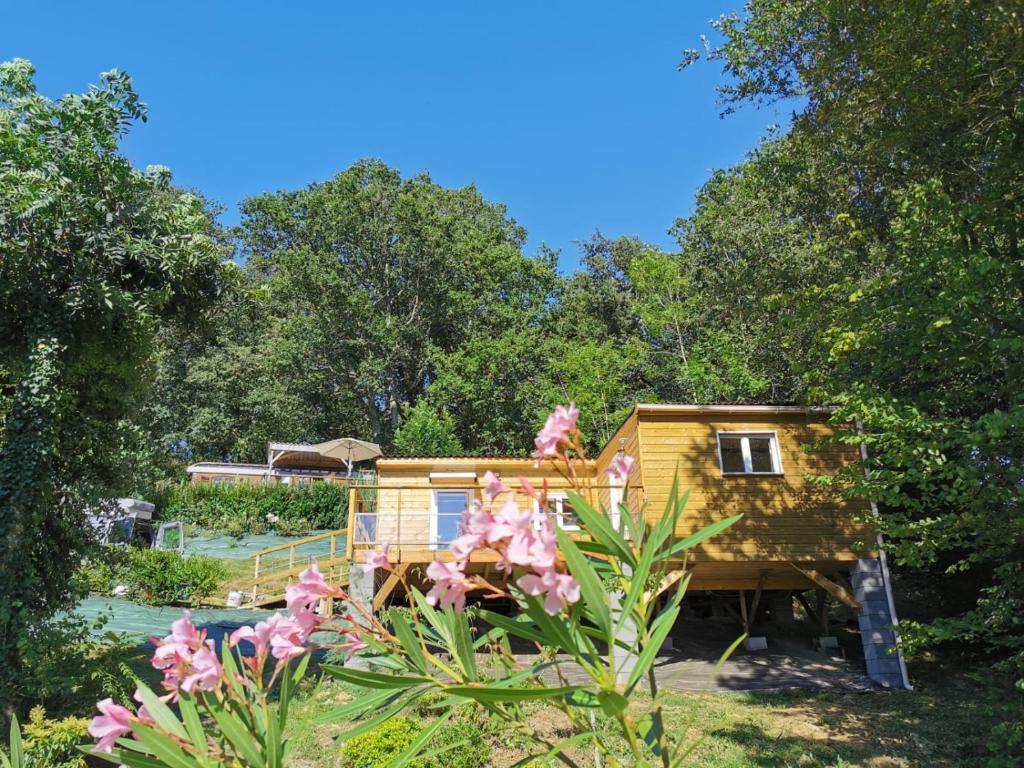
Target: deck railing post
256,580
398,522
353,495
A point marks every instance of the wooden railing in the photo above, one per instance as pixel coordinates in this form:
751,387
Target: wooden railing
275,566
407,515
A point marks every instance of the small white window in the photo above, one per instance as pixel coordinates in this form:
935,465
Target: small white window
223,480
749,453
561,511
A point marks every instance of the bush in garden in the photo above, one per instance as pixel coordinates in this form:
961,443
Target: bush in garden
54,743
163,577
580,597
378,747
242,508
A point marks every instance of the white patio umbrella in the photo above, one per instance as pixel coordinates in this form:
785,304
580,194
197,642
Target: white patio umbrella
349,450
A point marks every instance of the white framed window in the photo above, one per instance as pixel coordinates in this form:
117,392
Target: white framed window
749,453
561,511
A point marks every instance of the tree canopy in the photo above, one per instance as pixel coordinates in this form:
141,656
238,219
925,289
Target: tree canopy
94,257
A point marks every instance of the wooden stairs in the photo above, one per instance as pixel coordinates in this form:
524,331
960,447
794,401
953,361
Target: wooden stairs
275,567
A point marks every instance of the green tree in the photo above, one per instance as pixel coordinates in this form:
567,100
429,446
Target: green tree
426,432
372,278
910,152
94,256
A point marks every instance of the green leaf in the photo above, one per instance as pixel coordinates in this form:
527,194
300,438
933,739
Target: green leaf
594,597
612,703
499,695
190,717
659,631
368,679
238,735
463,651
160,712
17,758
599,526
410,642
420,741
162,747
520,626
357,707
704,533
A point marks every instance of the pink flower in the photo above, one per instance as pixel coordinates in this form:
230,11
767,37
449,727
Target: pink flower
493,485
619,468
556,430
509,521
559,588
527,487
113,722
307,621
353,642
465,545
282,636
373,559
205,671
174,653
311,588
535,549
450,584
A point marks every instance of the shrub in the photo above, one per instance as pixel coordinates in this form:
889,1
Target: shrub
54,743
241,509
378,747
163,577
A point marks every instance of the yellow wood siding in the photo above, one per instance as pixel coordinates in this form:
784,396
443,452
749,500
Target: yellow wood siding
786,517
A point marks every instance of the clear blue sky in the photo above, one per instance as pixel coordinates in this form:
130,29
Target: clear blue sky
570,113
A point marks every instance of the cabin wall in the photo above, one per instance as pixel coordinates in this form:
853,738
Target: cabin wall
405,494
785,517
626,439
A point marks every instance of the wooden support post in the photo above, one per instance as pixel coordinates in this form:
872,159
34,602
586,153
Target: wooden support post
744,619
757,599
256,580
829,586
822,598
353,496
392,581
398,523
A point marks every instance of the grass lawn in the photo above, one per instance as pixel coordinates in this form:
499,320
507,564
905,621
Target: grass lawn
938,726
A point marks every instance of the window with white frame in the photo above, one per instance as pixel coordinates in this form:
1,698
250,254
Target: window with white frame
561,511
749,453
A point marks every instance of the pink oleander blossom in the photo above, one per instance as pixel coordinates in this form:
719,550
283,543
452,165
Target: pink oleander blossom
465,545
450,584
205,670
619,468
373,559
307,620
174,653
493,485
559,589
113,722
353,642
282,636
311,588
555,431
527,487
